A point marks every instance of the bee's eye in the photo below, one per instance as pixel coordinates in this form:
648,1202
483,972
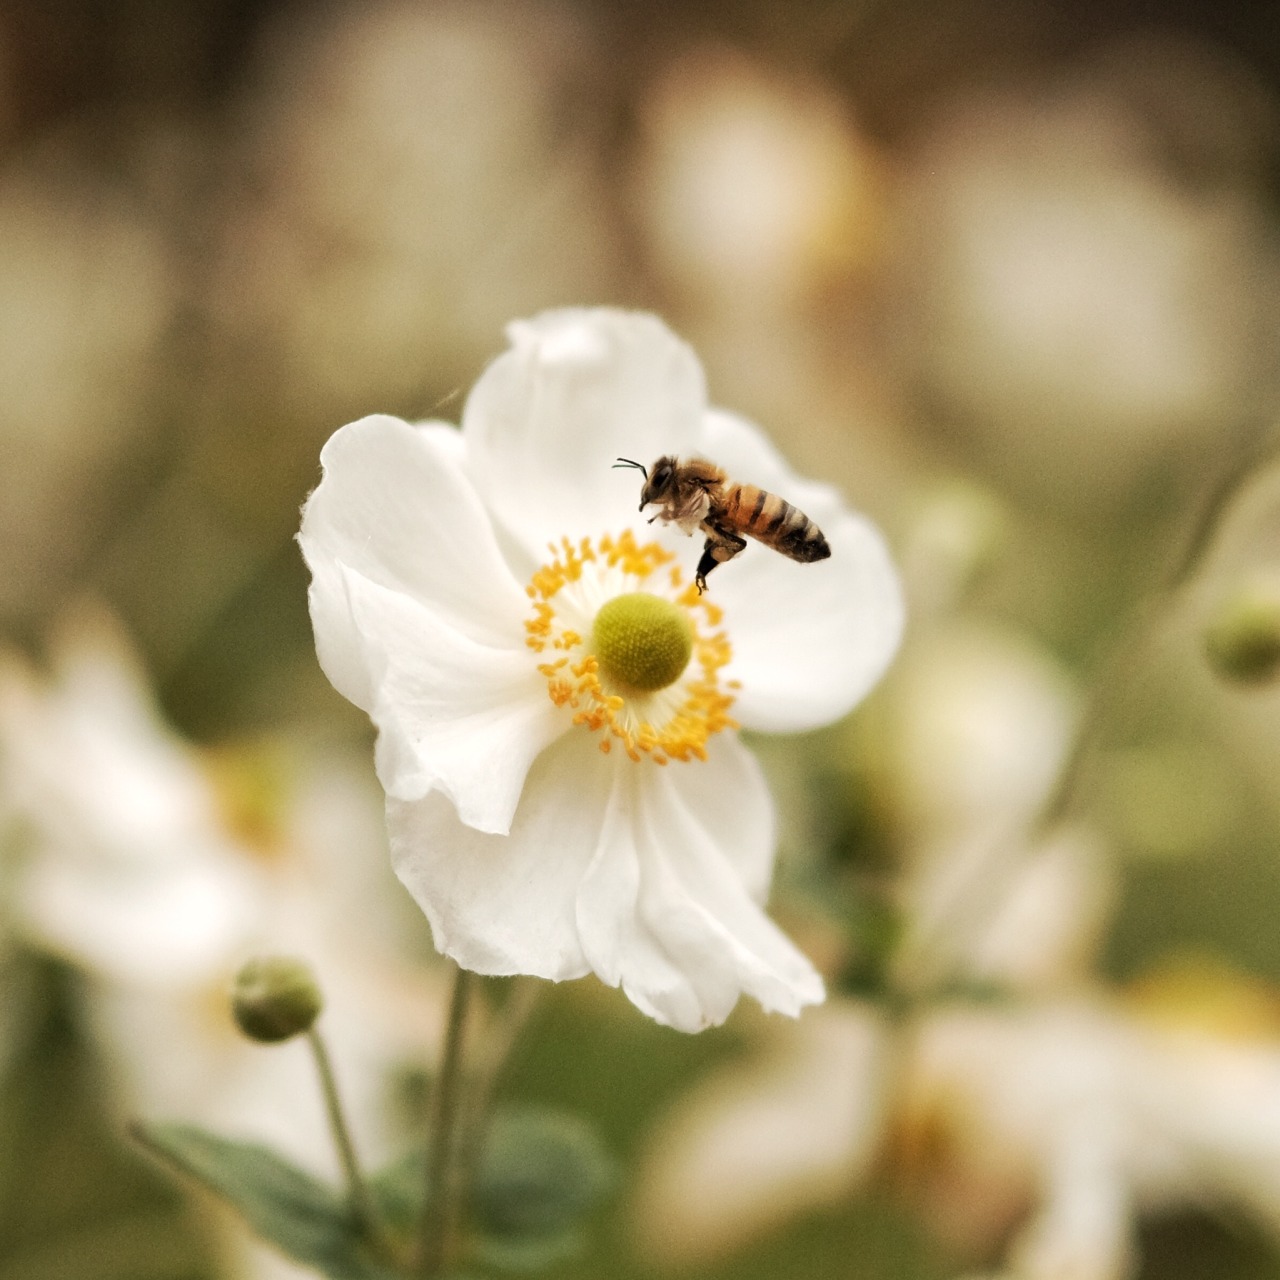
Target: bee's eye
662,475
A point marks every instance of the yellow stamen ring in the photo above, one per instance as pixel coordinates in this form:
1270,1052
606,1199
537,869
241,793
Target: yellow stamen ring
647,677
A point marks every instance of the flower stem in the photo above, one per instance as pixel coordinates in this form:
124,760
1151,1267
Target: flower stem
439,1221
501,1037
959,919
1124,658
357,1189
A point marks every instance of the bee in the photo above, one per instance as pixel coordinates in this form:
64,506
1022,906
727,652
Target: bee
698,495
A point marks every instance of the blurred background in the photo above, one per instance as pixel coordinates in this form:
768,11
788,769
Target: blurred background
1005,272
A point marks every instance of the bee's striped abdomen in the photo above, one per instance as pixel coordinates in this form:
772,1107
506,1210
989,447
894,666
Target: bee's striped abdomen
775,522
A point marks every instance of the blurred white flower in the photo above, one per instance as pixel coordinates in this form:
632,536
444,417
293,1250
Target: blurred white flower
753,184
1054,1124
132,874
1072,291
124,858
459,585
955,533
748,1149
398,205
982,720
1096,1112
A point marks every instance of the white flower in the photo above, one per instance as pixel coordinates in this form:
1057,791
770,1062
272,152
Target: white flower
458,582
130,871
764,1140
122,857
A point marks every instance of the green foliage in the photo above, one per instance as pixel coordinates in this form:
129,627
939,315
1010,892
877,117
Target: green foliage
76,1199
872,926
539,1175
303,1217
536,1178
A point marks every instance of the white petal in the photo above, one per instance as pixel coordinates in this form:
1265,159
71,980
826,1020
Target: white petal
759,1143
732,797
809,640
396,506
453,714
664,912
609,867
150,924
505,904
547,419
749,457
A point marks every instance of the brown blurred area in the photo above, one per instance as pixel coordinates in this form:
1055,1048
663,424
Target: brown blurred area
226,228
1004,272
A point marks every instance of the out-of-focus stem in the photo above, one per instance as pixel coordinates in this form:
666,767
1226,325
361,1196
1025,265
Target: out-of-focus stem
977,895
1120,662
501,1037
357,1189
440,1216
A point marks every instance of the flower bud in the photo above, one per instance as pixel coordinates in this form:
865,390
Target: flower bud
275,997
1242,641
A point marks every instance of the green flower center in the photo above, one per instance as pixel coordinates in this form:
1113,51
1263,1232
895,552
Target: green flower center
642,641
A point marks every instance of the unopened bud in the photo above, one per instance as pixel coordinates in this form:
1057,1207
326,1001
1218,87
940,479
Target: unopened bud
1243,639
275,997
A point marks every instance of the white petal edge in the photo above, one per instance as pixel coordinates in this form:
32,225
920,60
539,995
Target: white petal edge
505,904
663,911
548,418
580,884
809,640
152,925
453,715
395,505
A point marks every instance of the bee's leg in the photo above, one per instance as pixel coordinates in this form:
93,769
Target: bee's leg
720,546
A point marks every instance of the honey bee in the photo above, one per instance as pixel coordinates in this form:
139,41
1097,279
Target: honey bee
698,495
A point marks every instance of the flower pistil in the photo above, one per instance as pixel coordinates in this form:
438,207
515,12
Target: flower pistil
640,653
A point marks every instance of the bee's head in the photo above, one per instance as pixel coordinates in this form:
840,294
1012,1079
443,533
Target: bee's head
660,482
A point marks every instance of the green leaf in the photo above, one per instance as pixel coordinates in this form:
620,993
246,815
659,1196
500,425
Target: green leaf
303,1217
76,1198
539,1175
398,1191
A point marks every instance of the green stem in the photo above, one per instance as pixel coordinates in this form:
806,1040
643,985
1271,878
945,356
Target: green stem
510,1022
357,1190
439,1222
973,901
1124,657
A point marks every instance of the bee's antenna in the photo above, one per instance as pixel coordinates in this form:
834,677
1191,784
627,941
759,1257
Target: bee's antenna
626,462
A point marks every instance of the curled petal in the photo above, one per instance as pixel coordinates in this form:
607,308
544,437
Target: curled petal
634,880
505,904
665,914
732,798
453,714
396,506
548,418
809,640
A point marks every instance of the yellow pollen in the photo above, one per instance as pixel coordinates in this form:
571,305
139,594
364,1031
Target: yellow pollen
648,676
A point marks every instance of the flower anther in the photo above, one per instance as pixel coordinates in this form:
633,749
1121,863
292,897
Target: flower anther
641,667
